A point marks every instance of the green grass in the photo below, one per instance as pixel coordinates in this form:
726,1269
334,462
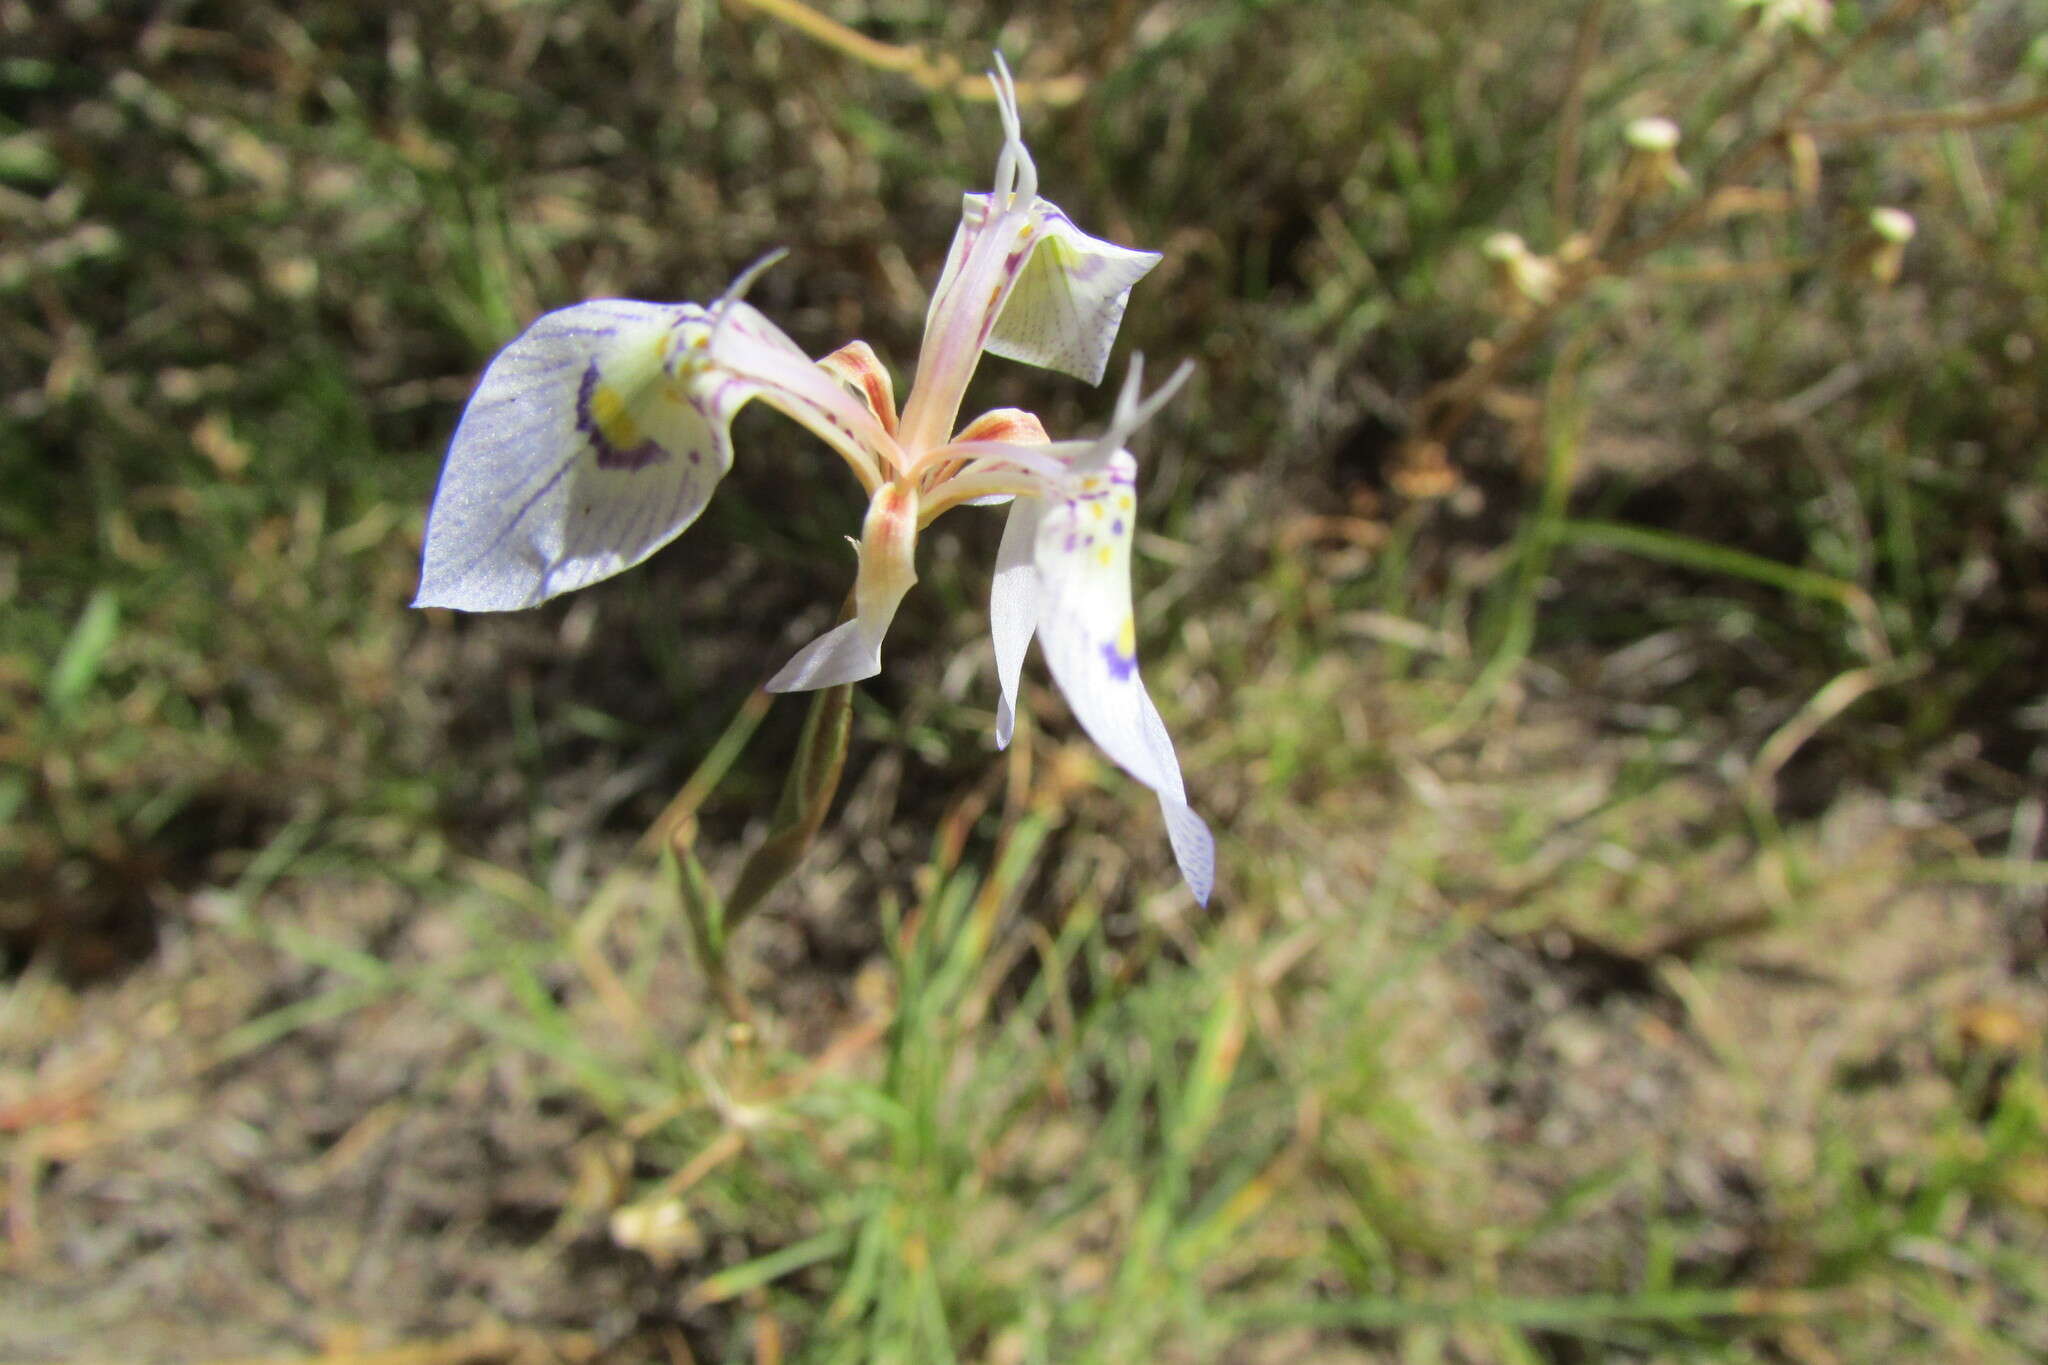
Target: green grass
1629,942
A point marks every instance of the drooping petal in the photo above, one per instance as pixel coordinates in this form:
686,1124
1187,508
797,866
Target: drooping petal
1020,280
578,456
1083,556
849,652
1068,299
1026,284
1013,607
599,434
852,650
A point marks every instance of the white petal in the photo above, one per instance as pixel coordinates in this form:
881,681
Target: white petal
1068,300
577,457
1082,551
748,347
1013,607
849,652
599,434
888,569
1024,283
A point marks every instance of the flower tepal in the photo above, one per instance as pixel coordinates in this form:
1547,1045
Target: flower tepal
600,433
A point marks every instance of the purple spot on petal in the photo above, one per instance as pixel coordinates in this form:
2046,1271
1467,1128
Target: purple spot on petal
1116,528
610,456
1121,665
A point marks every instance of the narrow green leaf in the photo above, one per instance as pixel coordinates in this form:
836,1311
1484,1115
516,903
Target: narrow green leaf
763,1270
79,662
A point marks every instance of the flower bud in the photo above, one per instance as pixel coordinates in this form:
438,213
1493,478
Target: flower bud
1810,17
1653,155
1523,278
1893,225
1884,250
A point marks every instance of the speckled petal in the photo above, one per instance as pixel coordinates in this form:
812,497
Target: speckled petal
1083,556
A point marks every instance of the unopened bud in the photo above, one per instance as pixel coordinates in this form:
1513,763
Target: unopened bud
1893,225
1884,252
660,1230
1523,277
1810,17
1503,246
1652,134
1653,155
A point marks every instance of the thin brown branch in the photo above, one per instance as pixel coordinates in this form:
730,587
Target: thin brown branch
1564,186
1930,120
1729,272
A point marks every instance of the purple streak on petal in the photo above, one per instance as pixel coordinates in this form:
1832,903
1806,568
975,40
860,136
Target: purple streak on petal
512,523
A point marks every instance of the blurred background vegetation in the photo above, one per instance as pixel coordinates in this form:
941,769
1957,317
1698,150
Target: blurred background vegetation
1615,659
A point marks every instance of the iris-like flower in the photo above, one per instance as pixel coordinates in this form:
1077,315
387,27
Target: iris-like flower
599,434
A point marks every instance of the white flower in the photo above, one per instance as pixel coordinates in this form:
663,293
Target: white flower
599,434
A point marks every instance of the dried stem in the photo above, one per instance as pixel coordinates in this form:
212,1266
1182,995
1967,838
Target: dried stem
940,73
1931,120
1445,408
1564,187
1727,272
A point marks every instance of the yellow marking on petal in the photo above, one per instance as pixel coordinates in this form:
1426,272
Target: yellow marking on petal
1091,483
1123,502
1127,637
609,411
1098,509
1102,556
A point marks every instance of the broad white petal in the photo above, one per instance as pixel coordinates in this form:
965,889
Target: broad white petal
599,434
1083,555
577,457
1013,607
1063,311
